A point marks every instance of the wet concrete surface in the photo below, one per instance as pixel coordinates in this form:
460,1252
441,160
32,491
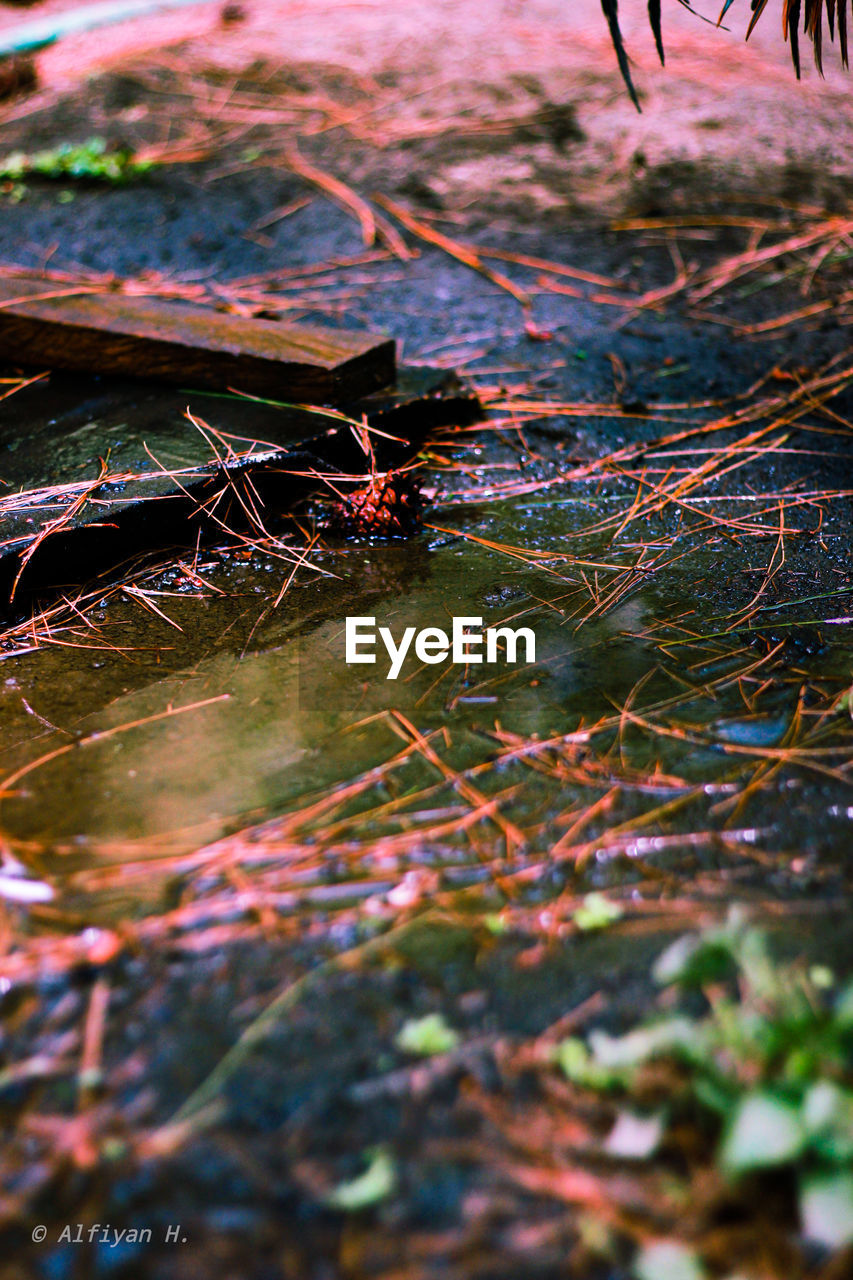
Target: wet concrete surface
133,827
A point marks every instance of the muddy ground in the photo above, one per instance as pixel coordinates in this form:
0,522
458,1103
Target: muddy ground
200,873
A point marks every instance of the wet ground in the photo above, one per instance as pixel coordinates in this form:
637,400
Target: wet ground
229,819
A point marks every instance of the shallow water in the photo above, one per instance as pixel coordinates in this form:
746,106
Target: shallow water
149,740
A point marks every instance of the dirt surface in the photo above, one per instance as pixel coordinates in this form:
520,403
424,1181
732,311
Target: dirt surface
295,848
509,105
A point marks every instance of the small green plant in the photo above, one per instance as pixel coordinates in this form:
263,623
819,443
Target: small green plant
597,912
666,1260
93,160
766,1065
376,1183
427,1036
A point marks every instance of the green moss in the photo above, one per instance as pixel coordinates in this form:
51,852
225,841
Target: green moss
93,160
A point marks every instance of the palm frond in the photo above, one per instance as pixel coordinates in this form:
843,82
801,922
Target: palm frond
811,12
611,13
654,19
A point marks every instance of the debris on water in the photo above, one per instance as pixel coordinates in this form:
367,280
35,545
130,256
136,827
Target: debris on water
17,885
755,731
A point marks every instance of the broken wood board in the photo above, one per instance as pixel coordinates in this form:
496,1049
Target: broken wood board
54,326
62,525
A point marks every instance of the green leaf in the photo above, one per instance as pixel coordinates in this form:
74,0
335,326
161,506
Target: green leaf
427,1036
844,1007
693,960
828,1118
667,1260
825,1105
821,977
376,1183
635,1137
826,1209
579,1066
670,1036
715,1094
594,1236
764,1131
717,953
597,912
14,166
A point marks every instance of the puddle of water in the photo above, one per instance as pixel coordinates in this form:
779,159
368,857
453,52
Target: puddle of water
180,736
277,731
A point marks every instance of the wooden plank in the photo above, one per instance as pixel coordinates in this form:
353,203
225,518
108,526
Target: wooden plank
50,325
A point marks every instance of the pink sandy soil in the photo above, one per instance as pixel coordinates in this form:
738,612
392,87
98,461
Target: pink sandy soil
732,111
